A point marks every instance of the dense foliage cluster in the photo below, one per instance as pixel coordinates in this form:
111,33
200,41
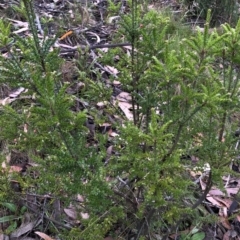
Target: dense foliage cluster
183,92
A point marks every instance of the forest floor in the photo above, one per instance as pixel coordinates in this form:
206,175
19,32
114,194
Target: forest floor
90,26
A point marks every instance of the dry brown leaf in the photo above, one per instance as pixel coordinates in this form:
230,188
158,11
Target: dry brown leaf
227,202
109,150
71,213
116,82
104,50
80,198
21,30
216,192
230,192
110,132
109,179
4,164
223,212
226,236
214,201
233,181
6,101
11,168
194,159
231,234
202,183
15,169
113,19
102,104
105,125
23,26
195,173
17,23
23,229
225,222
125,107
43,235
111,70
124,97
84,215
113,134
17,92
128,47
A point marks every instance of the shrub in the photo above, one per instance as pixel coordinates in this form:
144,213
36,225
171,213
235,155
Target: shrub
182,89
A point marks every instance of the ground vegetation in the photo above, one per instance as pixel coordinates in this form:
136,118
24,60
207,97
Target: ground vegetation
119,120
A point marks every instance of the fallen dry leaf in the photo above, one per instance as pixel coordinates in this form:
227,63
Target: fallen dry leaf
11,168
17,92
22,230
225,222
214,201
21,30
71,213
102,104
111,70
227,202
113,134
223,212
44,236
84,215
124,97
105,126
109,150
226,236
17,23
80,198
15,169
125,107
6,101
230,192
116,82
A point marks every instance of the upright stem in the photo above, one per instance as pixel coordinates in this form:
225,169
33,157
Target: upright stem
31,19
133,64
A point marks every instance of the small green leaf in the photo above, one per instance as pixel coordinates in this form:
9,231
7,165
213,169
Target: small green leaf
198,236
195,230
8,218
10,206
11,227
23,210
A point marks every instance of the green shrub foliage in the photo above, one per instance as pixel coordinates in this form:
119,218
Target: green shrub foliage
184,90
